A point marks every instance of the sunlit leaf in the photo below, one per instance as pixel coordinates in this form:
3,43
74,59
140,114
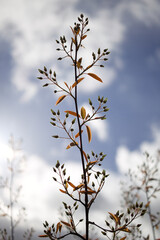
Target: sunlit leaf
72,113
77,135
95,77
84,36
85,156
65,223
88,192
89,133
60,99
73,40
83,112
78,81
116,219
62,191
68,146
78,187
71,184
43,236
147,204
124,229
58,226
66,85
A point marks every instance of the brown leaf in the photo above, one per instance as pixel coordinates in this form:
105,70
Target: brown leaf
72,113
89,133
65,223
73,40
123,238
68,146
116,219
58,226
78,187
124,229
88,192
78,81
66,85
60,99
84,36
62,191
85,156
95,77
83,112
43,236
71,184
77,135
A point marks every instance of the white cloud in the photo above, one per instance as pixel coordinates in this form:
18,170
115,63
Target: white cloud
42,198
126,159
31,34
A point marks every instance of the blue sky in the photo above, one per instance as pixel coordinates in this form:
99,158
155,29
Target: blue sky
131,31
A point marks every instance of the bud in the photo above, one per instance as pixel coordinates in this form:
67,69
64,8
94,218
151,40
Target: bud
90,102
73,121
53,112
45,85
55,136
45,69
40,71
53,124
57,164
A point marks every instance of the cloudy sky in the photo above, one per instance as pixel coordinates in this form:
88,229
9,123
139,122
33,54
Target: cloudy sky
131,32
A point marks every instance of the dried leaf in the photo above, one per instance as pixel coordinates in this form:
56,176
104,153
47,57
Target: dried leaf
60,99
62,191
83,112
78,187
78,81
66,85
84,36
71,184
68,146
58,226
116,219
147,204
89,133
124,229
73,40
77,135
123,238
65,223
72,113
85,156
95,77
43,236
88,192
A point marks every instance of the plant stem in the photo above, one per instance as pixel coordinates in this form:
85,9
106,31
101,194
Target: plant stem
150,218
81,146
11,200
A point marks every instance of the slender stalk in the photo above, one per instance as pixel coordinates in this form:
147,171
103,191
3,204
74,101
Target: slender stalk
11,201
150,214
81,146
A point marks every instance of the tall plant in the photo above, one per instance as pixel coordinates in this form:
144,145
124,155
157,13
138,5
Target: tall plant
74,124
7,183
